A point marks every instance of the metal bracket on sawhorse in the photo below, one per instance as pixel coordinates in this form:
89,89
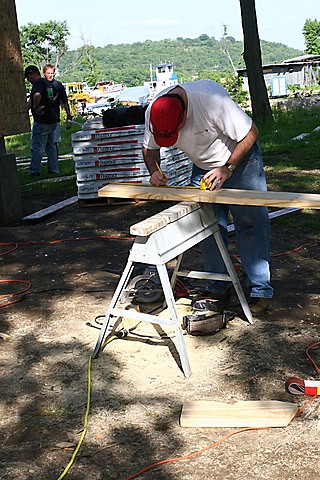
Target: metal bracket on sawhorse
160,239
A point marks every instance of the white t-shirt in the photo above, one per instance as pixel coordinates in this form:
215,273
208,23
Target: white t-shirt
214,124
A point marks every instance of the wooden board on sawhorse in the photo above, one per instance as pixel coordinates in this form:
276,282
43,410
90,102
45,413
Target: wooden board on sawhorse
226,196
162,238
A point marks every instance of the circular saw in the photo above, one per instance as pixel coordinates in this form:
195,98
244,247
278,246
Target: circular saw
144,288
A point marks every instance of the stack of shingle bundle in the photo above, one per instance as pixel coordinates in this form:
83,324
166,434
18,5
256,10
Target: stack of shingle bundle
103,155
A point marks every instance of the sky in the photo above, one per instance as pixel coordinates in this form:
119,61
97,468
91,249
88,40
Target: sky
101,22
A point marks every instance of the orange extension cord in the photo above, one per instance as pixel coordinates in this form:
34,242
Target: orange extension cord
14,245
315,366
20,292
212,445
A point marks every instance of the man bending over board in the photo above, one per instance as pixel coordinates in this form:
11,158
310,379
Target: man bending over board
203,121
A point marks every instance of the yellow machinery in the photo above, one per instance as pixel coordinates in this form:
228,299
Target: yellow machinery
78,92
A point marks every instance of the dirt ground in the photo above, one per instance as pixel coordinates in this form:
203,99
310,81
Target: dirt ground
138,389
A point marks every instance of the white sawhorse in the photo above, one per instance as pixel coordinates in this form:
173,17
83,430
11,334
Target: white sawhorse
160,239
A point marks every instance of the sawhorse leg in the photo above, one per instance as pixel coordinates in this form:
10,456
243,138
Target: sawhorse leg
234,277
168,294
108,326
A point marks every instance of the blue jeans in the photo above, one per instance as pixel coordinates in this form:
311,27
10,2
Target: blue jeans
42,140
252,226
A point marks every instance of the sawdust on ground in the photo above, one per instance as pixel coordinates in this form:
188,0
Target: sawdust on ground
138,388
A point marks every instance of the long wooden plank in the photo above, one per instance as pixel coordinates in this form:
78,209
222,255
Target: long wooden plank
53,208
206,413
224,196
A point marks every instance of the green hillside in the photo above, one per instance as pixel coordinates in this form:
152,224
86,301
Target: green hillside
202,57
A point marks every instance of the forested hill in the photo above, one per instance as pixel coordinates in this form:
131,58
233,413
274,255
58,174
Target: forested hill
194,58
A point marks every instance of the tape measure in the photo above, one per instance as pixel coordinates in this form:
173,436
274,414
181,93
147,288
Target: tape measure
203,185
206,186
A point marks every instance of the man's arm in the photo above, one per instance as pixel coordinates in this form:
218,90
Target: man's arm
244,147
67,109
152,161
64,99
36,100
220,174
29,102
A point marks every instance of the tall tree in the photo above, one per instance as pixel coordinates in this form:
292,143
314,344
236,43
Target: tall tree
261,110
44,43
311,32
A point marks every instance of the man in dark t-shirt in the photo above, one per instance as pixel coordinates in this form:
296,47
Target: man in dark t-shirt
41,103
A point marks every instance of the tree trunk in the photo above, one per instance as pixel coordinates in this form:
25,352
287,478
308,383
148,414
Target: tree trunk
261,110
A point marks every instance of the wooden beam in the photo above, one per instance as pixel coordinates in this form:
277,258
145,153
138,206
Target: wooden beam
206,413
49,210
224,196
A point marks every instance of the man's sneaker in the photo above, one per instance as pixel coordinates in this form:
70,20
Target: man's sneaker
259,305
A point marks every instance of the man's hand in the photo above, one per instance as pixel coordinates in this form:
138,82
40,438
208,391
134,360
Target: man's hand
159,179
152,160
216,177
39,110
68,122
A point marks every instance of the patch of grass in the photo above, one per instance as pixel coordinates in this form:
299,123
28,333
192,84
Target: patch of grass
31,187
286,182
308,221
57,191
292,165
20,144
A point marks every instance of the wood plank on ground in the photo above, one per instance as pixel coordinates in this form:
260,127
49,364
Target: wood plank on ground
224,196
206,413
53,208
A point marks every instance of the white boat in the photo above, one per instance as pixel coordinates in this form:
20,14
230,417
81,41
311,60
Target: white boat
103,91
161,77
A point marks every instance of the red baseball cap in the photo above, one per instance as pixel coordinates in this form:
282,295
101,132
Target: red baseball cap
165,116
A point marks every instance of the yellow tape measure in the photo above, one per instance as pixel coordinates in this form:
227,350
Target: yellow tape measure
203,185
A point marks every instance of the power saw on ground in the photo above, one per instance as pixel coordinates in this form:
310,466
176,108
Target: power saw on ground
207,318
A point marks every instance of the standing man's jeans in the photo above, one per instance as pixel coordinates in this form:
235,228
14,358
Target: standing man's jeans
42,140
252,228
